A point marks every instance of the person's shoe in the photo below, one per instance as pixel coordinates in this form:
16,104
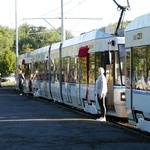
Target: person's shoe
20,93
101,119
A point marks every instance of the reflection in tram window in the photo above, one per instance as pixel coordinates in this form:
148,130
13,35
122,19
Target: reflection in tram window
69,69
92,69
52,68
72,70
141,69
64,68
35,71
54,71
63,76
120,65
99,62
27,70
128,69
41,68
83,70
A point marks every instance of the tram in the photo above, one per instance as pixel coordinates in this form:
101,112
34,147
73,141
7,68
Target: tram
66,72
137,39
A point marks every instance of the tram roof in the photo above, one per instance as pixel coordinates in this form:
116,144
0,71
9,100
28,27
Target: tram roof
139,22
39,50
88,36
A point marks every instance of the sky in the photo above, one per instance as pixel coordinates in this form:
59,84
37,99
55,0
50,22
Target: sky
47,13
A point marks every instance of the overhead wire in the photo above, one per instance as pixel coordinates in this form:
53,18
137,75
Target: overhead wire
55,9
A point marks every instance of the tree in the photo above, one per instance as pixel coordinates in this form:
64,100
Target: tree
6,38
31,37
7,56
122,25
7,63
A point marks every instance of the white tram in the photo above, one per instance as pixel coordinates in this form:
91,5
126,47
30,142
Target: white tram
138,72
66,72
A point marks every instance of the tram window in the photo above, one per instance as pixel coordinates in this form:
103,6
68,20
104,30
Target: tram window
83,70
117,70
141,69
47,70
35,71
41,69
54,70
72,70
27,70
45,77
119,63
92,69
64,69
99,62
128,70
35,66
69,69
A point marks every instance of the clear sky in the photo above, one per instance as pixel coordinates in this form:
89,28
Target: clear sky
104,9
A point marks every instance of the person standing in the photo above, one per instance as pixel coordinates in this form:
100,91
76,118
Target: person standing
101,91
30,82
0,81
21,79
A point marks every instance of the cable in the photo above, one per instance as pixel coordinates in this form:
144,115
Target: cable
55,9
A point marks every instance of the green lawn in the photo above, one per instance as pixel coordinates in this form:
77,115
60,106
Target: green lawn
4,84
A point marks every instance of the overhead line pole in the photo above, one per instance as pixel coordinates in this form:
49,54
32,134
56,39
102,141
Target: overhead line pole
63,35
16,27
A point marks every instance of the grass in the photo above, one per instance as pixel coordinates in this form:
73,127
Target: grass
5,84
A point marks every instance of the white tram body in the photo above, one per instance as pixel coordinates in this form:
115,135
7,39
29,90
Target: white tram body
137,39
66,72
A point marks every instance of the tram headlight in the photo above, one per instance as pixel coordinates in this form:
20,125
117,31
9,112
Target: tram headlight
123,97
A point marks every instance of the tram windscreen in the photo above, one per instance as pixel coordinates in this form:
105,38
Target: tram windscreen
120,65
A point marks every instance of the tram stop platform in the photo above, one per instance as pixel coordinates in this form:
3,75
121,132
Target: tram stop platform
28,123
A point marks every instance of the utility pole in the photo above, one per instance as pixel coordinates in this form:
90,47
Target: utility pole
16,27
63,36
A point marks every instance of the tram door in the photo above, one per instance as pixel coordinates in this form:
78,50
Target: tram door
72,90
104,59
82,80
68,79
109,77
83,73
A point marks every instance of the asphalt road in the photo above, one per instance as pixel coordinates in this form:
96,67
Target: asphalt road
28,123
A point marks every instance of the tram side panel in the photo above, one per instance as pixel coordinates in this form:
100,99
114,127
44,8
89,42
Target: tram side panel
137,65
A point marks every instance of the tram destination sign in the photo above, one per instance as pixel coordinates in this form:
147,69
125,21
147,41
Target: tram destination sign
138,36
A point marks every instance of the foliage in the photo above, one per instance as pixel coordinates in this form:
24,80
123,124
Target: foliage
8,84
7,56
122,25
6,38
26,44
31,37
7,63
